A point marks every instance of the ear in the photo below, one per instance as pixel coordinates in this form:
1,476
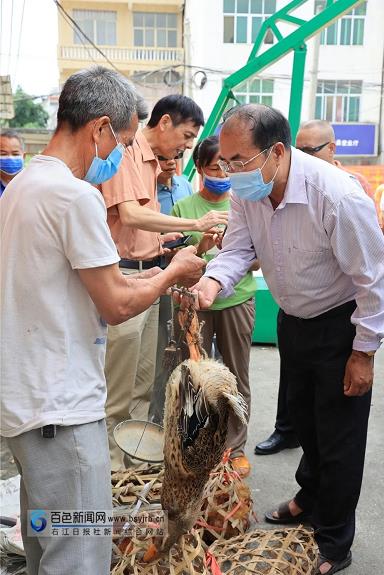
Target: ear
98,126
332,148
164,122
279,151
199,169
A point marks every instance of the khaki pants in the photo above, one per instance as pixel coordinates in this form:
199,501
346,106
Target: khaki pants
130,370
233,328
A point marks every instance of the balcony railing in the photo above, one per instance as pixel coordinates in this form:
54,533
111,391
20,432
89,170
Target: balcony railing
123,54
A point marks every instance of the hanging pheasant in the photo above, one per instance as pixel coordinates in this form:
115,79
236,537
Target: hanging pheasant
200,395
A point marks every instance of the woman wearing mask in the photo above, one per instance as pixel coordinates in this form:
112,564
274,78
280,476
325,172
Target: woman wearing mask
231,319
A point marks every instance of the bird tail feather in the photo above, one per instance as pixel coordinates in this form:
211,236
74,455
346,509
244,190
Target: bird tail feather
238,404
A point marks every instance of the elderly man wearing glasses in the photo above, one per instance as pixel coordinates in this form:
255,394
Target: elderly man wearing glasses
317,138
321,251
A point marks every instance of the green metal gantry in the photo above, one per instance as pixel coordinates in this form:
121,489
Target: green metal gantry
295,41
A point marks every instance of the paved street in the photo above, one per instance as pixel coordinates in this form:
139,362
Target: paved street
272,479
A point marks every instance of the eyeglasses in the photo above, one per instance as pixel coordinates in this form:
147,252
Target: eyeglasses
238,165
314,150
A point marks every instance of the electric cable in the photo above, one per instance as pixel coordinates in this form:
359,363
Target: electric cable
19,42
78,35
10,42
60,7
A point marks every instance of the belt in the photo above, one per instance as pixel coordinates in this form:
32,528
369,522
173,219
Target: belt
142,264
348,307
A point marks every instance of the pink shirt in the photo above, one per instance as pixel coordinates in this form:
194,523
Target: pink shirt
136,180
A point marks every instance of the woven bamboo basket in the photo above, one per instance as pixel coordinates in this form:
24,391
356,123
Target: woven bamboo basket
128,485
185,558
227,505
290,551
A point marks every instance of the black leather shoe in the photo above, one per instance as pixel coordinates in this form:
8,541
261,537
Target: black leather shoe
275,443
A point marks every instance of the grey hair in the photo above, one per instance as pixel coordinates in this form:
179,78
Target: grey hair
95,92
266,124
12,134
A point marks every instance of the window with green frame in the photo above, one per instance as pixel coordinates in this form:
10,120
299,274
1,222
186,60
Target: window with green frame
347,31
255,91
243,19
338,100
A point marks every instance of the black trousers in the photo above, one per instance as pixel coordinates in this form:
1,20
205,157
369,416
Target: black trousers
331,427
283,422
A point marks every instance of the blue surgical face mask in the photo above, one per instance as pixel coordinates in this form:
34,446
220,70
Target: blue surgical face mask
102,170
218,186
250,185
11,165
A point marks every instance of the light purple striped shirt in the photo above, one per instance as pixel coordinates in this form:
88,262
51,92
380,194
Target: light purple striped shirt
320,248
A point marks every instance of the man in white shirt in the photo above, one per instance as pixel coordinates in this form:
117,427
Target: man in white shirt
321,251
61,285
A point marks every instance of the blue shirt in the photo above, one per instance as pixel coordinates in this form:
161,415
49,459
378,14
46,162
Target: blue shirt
180,188
2,188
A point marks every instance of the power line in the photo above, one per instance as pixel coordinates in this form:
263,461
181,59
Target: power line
75,24
19,42
78,35
10,40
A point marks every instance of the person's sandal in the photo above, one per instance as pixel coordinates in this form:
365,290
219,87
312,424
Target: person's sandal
285,516
336,565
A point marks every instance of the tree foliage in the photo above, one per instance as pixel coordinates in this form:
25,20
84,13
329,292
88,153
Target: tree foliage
28,114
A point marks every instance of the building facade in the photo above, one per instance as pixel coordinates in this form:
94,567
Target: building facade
191,46
343,73
143,40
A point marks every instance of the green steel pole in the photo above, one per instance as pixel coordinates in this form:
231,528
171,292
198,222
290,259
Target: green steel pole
301,34
210,126
256,63
297,85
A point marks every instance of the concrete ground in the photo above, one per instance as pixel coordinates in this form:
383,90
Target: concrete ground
272,478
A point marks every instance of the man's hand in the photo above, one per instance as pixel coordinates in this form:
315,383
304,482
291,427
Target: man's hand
170,237
206,243
358,378
206,290
187,265
210,220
